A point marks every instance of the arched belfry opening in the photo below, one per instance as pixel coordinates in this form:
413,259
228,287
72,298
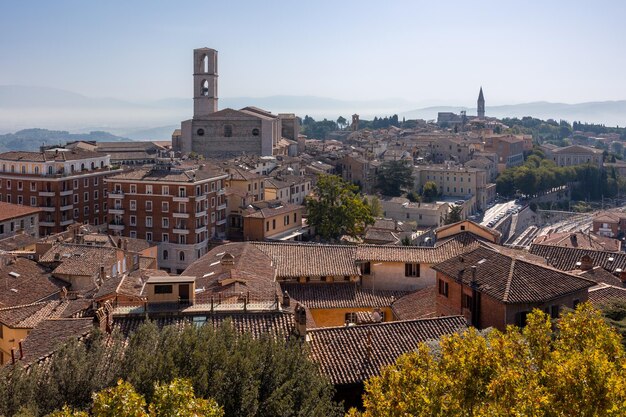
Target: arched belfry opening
204,88
205,64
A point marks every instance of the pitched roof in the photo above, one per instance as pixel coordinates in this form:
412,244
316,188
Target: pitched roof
29,315
50,155
49,334
579,240
565,259
352,354
418,304
509,279
600,275
339,295
24,282
256,324
10,211
79,259
293,260
604,294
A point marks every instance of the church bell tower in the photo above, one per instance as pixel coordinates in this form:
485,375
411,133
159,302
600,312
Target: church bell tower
481,104
204,82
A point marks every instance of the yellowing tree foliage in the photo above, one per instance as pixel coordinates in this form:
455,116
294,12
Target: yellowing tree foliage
576,369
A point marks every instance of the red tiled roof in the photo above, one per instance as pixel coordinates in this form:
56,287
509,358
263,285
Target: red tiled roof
10,211
339,295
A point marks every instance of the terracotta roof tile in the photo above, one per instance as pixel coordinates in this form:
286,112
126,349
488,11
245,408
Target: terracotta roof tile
339,295
418,304
49,334
352,354
604,294
24,281
565,259
10,211
579,240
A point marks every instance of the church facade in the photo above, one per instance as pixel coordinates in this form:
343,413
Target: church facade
227,133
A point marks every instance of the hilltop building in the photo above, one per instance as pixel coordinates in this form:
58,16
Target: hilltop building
225,133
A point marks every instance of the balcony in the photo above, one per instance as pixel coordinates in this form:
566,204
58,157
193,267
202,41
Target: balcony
116,210
67,222
201,213
67,207
180,215
221,207
47,193
221,191
119,226
47,224
201,229
116,194
181,231
220,222
67,192
201,197
50,209
180,199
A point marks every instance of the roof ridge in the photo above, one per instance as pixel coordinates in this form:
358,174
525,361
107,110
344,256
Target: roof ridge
509,280
387,323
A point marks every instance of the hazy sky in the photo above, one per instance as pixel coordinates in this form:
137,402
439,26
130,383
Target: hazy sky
422,51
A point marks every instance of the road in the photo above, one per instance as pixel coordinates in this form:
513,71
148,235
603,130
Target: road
498,209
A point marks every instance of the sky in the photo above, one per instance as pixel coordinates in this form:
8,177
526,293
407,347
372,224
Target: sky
427,52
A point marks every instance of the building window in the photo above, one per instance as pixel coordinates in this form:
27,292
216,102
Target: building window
133,205
148,189
33,201
442,287
86,196
255,132
165,190
148,221
165,207
228,131
366,268
165,222
165,255
350,318
181,256
133,188
163,289
133,234
96,195
212,201
76,198
165,237
86,210
412,270
148,205
133,220
149,236
267,226
273,223
554,311
467,302
76,213
200,132
521,318
20,185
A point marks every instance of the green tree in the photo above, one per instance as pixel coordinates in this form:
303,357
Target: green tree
394,178
336,208
341,122
120,400
579,369
376,207
454,215
430,192
413,196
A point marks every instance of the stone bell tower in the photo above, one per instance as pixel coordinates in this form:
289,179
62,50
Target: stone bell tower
481,104
204,82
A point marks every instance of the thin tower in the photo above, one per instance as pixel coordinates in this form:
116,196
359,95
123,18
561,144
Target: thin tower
481,104
204,82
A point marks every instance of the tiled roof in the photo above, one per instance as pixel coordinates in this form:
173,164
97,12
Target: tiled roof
263,211
51,333
460,243
293,260
565,259
339,295
603,294
180,174
17,242
579,240
29,315
49,155
415,305
10,211
251,274
352,354
79,259
509,279
600,275
24,282
257,324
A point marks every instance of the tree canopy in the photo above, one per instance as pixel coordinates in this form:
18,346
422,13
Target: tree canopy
337,208
246,376
454,215
430,191
394,178
578,369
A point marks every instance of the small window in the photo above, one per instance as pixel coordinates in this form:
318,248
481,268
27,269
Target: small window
162,289
255,132
228,131
554,311
350,318
467,302
366,268
165,255
442,287
412,270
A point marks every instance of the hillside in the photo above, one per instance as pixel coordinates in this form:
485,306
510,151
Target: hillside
32,139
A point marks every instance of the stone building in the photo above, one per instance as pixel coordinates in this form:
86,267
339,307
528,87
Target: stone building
226,133
68,185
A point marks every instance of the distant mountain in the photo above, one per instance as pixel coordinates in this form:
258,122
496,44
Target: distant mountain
610,113
32,139
23,107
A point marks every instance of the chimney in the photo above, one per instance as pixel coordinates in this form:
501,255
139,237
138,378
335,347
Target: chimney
300,316
473,275
103,275
227,261
586,263
286,299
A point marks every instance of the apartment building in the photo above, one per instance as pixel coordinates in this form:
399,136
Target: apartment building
242,180
68,185
457,181
273,220
179,207
509,148
18,219
290,189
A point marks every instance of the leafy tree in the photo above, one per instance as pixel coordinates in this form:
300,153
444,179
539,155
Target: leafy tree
336,208
430,192
376,207
394,178
577,370
177,399
342,122
454,215
120,400
413,196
